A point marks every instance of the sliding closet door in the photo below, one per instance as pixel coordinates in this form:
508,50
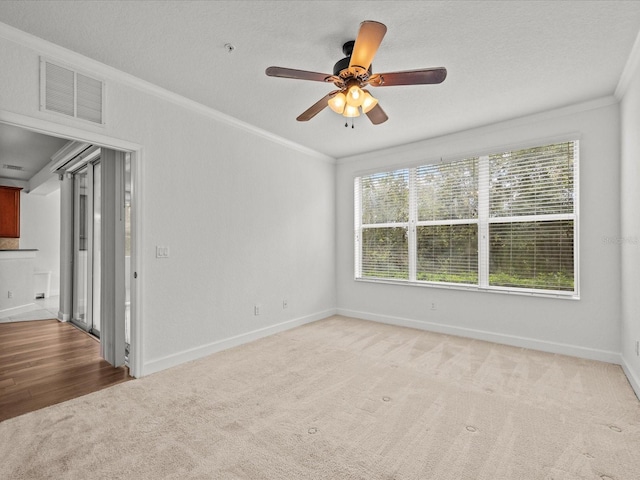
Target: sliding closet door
81,313
87,247
112,257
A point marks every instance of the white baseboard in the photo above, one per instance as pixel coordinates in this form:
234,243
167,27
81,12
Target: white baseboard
634,380
217,346
512,340
6,312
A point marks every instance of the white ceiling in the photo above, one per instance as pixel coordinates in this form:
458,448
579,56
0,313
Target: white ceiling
28,150
504,59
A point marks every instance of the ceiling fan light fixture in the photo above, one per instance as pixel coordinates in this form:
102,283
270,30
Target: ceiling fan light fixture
350,111
355,96
338,102
369,102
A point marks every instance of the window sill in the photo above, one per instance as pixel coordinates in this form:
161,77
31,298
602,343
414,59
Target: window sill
474,288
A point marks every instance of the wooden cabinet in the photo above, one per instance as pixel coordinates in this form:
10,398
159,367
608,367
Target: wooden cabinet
10,212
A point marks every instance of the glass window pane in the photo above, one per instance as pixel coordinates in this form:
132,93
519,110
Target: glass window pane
385,197
532,255
447,191
448,253
80,265
533,181
385,253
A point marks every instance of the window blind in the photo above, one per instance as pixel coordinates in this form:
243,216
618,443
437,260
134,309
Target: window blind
384,223
536,255
385,253
532,225
447,253
534,181
385,197
425,224
446,193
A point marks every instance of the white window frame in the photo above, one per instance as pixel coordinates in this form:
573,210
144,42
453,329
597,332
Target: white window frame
483,221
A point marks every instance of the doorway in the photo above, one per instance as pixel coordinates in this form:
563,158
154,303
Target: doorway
94,291
127,269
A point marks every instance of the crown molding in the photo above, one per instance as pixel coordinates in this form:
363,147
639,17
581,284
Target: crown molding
631,67
46,48
480,130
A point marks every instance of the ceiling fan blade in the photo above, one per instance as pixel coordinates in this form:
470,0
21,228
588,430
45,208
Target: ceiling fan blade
377,115
316,108
298,74
425,76
369,38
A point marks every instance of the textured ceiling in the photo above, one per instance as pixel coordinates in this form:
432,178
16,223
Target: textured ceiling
28,150
504,59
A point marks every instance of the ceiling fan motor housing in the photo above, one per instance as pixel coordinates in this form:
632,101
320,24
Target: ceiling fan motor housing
343,64
347,48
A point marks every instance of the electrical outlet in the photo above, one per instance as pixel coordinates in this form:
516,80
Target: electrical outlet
162,252
433,306
256,309
9,294
285,304
637,348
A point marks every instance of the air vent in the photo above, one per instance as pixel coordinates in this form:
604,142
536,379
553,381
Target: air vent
68,92
13,167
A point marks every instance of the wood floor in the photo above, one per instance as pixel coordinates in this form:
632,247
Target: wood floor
46,362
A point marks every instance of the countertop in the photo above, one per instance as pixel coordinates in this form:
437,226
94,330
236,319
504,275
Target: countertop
18,249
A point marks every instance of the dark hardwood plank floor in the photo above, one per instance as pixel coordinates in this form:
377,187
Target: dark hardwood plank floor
45,362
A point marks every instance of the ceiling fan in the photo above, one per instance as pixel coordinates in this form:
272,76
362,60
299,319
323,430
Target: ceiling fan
353,73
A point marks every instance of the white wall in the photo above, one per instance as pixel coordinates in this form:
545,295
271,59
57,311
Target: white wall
248,220
589,327
16,276
40,229
630,231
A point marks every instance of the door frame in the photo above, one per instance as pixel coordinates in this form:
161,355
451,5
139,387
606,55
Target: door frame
48,127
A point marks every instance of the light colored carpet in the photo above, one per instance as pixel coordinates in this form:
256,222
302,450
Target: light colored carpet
344,399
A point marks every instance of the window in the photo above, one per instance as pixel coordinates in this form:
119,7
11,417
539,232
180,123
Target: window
447,222
385,212
505,221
